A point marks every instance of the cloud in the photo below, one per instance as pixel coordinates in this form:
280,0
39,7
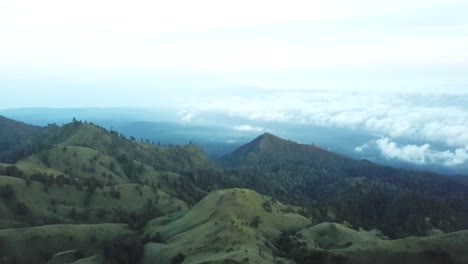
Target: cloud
241,36
248,128
186,115
435,119
362,147
422,154
439,118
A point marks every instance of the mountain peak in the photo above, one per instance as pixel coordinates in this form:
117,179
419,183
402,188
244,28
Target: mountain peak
268,148
268,137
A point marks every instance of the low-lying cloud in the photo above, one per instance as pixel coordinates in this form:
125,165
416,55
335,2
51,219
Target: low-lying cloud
248,128
422,154
361,148
427,118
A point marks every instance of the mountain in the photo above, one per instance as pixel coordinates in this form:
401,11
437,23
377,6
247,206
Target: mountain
84,194
80,176
331,187
242,226
14,137
268,150
230,224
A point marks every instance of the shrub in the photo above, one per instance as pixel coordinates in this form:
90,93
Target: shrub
115,193
22,209
7,192
101,213
83,215
13,171
93,238
157,238
177,259
39,177
73,213
123,251
256,220
87,199
267,206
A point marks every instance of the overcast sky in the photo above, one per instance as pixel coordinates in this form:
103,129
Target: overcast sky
110,53
396,69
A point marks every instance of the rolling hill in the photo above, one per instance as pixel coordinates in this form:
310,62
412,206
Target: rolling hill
331,187
82,194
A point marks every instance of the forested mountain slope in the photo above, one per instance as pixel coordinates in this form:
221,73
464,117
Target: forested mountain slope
95,196
333,187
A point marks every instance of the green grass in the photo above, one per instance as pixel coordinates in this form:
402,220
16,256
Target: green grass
218,227
38,244
132,198
73,161
359,246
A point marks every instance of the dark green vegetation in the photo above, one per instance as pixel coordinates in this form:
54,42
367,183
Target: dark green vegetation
331,187
81,193
14,138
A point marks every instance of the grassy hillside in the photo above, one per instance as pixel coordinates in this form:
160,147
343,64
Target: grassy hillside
232,224
82,194
82,174
336,243
334,188
88,163
42,244
37,204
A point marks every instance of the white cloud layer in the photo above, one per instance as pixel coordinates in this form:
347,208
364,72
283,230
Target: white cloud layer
422,154
90,38
432,118
248,128
362,147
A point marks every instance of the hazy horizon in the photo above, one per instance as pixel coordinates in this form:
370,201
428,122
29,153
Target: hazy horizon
393,71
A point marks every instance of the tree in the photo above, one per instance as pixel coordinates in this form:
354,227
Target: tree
123,251
157,238
177,259
112,166
22,209
115,193
87,199
267,206
60,180
13,171
101,213
256,220
73,213
7,192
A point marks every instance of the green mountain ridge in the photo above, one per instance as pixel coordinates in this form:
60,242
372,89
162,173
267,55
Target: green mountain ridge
332,187
270,201
270,147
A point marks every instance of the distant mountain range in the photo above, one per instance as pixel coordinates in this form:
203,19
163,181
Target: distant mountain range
106,198
219,134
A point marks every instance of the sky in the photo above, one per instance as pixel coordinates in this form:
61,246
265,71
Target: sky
394,69
63,49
